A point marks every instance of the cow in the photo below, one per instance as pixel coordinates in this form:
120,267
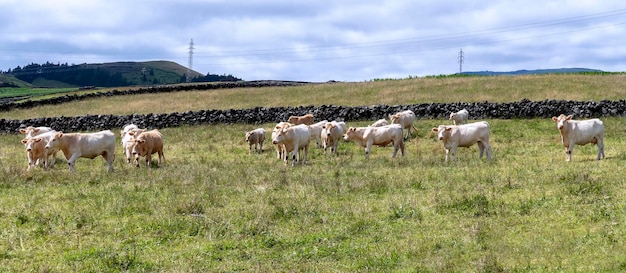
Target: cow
86,145
380,136
280,149
459,117
255,138
126,139
294,138
331,134
36,150
380,122
405,119
580,132
146,144
33,131
316,132
466,135
307,119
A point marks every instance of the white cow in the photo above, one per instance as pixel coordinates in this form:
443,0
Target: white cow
255,138
316,132
580,132
280,148
465,135
36,150
380,122
33,131
380,136
459,117
294,138
331,134
90,145
126,139
404,118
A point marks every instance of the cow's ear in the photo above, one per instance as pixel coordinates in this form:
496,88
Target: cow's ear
37,139
23,131
35,130
555,119
24,140
435,130
141,140
448,128
568,117
60,134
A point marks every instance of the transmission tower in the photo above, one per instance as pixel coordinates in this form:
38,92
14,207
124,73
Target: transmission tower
190,64
461,58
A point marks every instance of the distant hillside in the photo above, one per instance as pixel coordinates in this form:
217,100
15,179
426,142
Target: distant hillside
536,71
12,81
102,75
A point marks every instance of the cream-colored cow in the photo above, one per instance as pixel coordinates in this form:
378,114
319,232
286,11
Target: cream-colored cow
331,135
379,136
86,145
580,132
459,117
146,144
255,138
466,135
294,139
307,119
405,119
36,150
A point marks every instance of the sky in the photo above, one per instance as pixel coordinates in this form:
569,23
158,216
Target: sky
318,41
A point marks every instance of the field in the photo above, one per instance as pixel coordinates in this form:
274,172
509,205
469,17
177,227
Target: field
213,207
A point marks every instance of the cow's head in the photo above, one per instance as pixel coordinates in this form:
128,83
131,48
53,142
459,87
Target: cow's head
349,133
441,131
54,140
394,118
452,115
561,121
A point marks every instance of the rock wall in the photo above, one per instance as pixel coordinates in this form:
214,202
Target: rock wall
481,110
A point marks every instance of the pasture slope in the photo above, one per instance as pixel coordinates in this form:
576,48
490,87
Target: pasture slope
213,208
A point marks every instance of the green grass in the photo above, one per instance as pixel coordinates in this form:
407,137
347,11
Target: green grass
214,208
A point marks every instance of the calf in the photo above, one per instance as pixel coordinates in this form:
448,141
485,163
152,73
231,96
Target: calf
146,144
331,134
36,150
466,135
380,122
580,132
379,136
294,138
126,139
77,145
459,117
255,138
405,119
307,119
316,132
33,131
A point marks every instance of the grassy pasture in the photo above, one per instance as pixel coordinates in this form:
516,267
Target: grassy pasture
214,208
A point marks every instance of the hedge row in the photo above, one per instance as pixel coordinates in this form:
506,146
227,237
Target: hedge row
481,110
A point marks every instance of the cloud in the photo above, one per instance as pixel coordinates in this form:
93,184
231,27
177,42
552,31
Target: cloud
318,40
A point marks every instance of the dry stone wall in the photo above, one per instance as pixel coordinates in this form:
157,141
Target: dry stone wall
524,109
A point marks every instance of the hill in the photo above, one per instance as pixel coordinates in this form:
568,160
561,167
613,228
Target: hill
12,81
535,71
103,74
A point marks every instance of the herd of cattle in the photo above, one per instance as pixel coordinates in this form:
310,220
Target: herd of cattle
293,138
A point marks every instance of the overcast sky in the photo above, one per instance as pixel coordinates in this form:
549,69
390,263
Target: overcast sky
344,40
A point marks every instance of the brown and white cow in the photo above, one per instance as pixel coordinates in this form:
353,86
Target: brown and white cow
294,139
316,132
31,131
36,150
86,145
405,119
380,136
466,135
331,135
307,119
580,132
146,144
126,139
459,117
380,122
255,138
